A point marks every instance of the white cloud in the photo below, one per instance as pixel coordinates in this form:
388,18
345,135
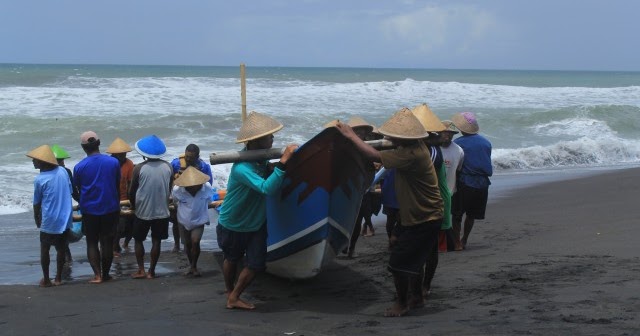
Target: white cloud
433,29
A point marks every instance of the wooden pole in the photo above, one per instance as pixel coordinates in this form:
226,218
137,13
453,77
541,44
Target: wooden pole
273,153
243,91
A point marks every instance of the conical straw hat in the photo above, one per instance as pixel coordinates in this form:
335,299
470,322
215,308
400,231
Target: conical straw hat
59,152
403,125
359,122
428,119
118,146
466,122
332,123
44,154
256,126
450,126
191,177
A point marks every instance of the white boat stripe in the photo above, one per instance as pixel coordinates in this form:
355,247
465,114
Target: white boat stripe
308,230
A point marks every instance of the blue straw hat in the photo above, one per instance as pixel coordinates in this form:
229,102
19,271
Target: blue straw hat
151,147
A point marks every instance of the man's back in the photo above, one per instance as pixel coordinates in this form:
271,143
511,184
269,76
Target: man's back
150,189
97,177
476,168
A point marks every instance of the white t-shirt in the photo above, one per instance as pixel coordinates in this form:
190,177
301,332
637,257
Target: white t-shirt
192,210
453,157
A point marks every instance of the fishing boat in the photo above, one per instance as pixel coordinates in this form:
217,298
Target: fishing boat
311,219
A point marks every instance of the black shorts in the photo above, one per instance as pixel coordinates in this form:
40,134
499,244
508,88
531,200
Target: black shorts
235,244
414,244
96,226
59,241
159,228
125,226
471,201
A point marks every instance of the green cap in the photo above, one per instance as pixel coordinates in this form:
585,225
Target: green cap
59,152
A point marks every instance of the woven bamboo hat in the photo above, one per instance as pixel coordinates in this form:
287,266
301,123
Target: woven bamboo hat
466,122
44,154
191,177
256,126
450,126
428,119
118,146
332,123
403,125
355,122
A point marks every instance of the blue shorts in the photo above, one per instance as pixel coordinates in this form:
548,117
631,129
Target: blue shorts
471,201
235,245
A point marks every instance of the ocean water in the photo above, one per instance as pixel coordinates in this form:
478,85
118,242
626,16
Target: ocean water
535,119
560,122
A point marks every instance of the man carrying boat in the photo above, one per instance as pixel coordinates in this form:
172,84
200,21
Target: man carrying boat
242,224
420,203
119,149
190,158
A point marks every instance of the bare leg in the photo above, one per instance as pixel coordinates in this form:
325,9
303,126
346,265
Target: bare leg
354,236
229,270
195,253
456,224
93,254
244,280
468,225
400,307
155,255
106,248
176,236
429,271
60,260
140,274
44,262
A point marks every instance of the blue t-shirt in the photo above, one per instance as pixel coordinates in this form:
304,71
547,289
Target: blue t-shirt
97,177
476,167
202,166
245,205
52,190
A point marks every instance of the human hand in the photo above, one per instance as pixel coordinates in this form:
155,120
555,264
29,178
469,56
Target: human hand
288,151
345,129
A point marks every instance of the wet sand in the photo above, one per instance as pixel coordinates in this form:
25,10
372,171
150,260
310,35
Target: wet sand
554,259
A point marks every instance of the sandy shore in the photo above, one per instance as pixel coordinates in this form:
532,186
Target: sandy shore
555,259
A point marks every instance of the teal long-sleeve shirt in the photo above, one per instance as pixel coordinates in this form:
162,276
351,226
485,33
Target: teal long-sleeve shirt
245,205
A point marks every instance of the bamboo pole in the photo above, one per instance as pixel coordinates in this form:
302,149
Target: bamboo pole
243,91
273,153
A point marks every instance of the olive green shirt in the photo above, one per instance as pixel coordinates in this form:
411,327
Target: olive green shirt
416,183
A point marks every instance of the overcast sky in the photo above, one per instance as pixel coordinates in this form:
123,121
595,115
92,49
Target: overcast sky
490,34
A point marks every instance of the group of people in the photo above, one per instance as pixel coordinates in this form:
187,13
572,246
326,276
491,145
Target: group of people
422,175
430,183
103,185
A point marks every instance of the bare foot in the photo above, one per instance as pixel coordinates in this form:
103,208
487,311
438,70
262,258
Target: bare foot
188,273
416,302
176,249
96,280
139,275
240,304
45,283
196,273
57,283
426,292
151,275
116,254
396,310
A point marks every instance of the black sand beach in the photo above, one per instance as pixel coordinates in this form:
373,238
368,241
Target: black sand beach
554,259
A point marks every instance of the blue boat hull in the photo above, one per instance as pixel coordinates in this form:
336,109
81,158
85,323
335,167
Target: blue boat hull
312,218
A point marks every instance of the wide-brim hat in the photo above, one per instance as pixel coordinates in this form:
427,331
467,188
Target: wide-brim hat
403,125
191,177
450,126
358,122
428,119
257,125
118,146
44,154
466,122
332,123
151,147
59,152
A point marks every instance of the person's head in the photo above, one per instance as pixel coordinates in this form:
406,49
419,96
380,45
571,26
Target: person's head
151,147
192,154
191,179
60,154
43,158
466,122
119,149
90,142
360,127
257,131
403,128
434,139
447,135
